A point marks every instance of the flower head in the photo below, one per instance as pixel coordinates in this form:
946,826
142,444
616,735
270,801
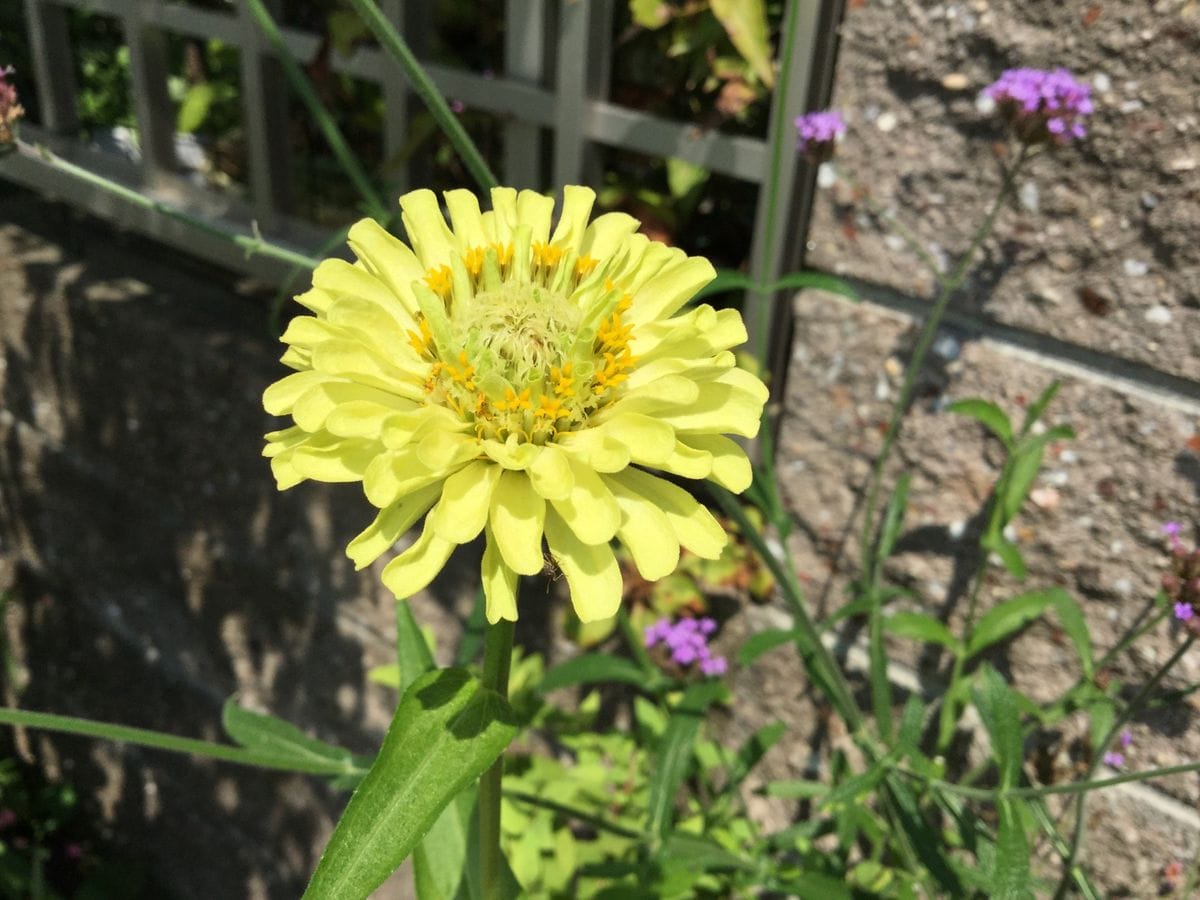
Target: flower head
818,132
1114,759
1172,530
503,378
10,109
1042,106
687,641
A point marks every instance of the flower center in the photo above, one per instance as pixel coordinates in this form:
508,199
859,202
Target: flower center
521,362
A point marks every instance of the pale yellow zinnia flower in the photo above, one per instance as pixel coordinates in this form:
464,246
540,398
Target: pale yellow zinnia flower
500,378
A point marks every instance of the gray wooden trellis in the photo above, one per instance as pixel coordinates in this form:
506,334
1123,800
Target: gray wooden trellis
554,87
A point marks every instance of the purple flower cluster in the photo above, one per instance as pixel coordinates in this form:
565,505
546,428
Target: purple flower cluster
1182,583
1043,106
1116,758
10,109
817,132
687,640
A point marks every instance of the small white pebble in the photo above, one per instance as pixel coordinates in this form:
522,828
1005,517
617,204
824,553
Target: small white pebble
895,243
826,175
985,105
1030,196
1123,587
947,347
956,529
1010,533
1068,457
1116,548
1149,201
1158,315
886,122
1038,427
1056,477
1102,83
1135,268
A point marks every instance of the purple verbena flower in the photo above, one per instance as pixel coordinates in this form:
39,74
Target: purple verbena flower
1125,739
687,641
1114,759
10,109
817,133
1172,530
1184,611
1043,106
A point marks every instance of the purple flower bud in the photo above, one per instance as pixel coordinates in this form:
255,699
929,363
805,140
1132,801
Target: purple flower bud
1114,759
1184,611
715,665
817,132
1125,739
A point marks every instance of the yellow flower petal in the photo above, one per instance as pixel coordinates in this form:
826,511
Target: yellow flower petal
693,525
535,210
663,294
413,569
517,517
591,570
687,462
465,220
334,460
281,397
390,525
572,221
606,233
551,474
466,499
339,278
387,258
499,584
431,240
730,465
646,532
590,510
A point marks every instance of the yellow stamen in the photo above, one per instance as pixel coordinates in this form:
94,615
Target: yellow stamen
504,253
473,260
439,281
584,266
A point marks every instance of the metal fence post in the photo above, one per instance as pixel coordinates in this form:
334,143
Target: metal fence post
151,102
571,90
265,120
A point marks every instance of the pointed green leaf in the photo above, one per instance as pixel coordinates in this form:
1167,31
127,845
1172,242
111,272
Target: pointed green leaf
752,752
1038,406
447,730
675,752
998,710
986,414
1010,616
412,650
1010,878
1076,628
763,641
441,857
278,739
592,668
745,21
922,627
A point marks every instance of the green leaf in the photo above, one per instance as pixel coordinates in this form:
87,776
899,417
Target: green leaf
278,739
1009,553
441,857
751,753
1024,466
1035,410
651,14
763,641
447,730
412,651
1101,716
729,280
998,709
893,518
591,668
814,884
675,752
922,627
1010,616
701,853
195,106
684,177
987,414
1010,878
472,639
911,721
1071,618
745,21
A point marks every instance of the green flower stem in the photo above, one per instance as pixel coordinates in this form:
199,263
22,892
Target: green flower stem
946,288
1122,720
1071,787
497,658
821,665
376,208
780,145
424,88
159,741
254,245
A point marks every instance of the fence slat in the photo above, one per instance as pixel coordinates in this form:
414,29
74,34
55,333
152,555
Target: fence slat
148,88
264,120
53,66
571,87
524,60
